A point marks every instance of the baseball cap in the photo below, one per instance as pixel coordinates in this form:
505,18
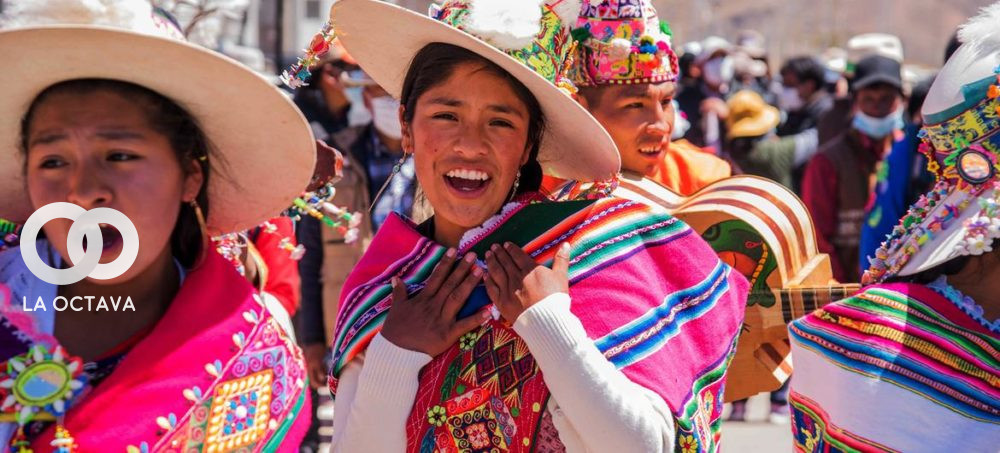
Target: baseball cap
877,69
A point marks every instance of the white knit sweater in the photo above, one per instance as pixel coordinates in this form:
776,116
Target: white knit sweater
594,407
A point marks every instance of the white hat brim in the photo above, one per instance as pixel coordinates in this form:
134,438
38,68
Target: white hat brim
264,151
943,247
384,38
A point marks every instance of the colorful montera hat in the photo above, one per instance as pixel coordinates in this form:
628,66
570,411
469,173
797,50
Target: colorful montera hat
527,38
622,42
961,215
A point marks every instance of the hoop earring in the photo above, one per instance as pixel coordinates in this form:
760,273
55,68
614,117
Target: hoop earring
206,240
395,170
517,182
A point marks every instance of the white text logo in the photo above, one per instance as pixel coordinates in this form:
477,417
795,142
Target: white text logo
85,224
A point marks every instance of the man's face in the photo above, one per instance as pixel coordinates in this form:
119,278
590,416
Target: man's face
371,92
639,119
877,101
805,88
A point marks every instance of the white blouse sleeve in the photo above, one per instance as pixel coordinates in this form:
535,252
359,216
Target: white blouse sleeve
374,398
605,409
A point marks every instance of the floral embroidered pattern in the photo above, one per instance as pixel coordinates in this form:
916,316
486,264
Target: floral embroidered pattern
466,342
436,416
39,383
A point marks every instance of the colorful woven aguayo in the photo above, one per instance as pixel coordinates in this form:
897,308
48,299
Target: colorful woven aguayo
898,367
486,393
622,42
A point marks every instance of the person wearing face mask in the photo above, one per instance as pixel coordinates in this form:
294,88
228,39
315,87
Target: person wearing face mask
803,97
838,181
379,148
804,100
900,179
703,102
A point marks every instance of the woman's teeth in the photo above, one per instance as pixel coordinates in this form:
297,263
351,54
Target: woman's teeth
649,150
467,181
473,175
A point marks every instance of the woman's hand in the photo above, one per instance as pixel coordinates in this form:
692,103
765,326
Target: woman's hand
426,322
515,282
314,354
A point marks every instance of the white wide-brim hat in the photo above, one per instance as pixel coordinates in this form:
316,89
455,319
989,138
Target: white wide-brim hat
384,38
960,216
263,150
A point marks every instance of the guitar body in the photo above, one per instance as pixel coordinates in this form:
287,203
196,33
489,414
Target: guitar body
763,231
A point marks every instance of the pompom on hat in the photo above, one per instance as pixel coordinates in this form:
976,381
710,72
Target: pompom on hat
527,38
960,216
622,42
48,42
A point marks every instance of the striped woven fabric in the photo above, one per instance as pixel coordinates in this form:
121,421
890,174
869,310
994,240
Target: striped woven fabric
896,368
653,295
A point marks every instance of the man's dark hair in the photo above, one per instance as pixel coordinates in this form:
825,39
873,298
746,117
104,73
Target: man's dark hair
806,68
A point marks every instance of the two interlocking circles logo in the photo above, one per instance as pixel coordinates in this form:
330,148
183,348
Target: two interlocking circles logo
85,224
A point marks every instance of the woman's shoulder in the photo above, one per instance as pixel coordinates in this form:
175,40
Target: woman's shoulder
887,304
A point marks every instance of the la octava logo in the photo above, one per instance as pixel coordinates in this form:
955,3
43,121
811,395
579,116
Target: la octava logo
85,224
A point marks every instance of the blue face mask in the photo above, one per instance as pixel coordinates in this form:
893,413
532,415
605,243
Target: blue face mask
878,127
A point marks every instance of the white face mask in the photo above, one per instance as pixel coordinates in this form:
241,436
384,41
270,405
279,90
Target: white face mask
385,116
358,114
718,70
681,124
878,127
789,99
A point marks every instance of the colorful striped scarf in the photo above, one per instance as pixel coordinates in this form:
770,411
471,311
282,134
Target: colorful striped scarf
653,295
897,367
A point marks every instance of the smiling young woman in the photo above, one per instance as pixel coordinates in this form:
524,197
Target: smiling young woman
506,322
106,130
473,131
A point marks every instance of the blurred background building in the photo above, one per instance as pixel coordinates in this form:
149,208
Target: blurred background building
268,34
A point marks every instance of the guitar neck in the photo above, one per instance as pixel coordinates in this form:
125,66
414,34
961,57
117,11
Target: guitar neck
800,301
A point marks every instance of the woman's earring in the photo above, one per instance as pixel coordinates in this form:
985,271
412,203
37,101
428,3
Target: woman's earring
202,226
206,240
517,182
395,169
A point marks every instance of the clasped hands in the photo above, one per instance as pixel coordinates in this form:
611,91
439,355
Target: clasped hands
427,322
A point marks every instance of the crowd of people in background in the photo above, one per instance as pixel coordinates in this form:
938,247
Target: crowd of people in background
839,129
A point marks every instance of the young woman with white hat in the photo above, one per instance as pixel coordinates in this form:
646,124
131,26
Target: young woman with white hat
506,322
